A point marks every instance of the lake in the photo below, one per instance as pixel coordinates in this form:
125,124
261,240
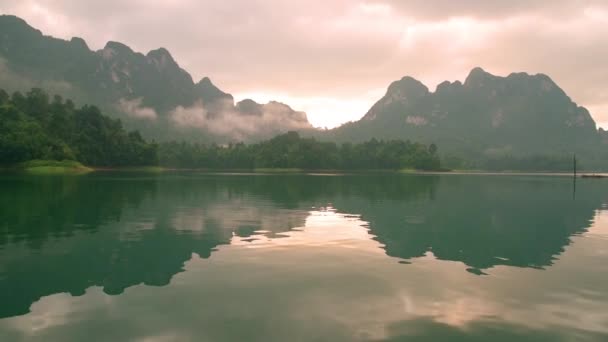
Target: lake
237,257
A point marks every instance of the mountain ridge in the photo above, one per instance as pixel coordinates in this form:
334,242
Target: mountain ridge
484,116
117,75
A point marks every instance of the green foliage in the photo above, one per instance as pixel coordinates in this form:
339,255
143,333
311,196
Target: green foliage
35,127
53,166
291,152
32,126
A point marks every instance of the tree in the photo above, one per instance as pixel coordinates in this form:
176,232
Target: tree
31,127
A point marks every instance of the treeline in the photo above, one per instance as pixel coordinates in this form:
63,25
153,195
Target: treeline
290,150
32,126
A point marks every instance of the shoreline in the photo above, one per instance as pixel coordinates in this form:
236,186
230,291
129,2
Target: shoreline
42,167
334,172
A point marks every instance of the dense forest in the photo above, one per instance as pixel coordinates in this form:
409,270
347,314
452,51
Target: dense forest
34,126
292,151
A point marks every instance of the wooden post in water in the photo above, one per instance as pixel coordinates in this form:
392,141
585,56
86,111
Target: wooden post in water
574,177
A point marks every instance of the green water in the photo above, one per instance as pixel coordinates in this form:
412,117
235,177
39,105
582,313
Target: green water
195,257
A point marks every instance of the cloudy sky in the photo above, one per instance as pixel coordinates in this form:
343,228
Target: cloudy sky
333,59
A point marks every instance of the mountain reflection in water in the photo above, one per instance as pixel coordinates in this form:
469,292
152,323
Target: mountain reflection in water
334,247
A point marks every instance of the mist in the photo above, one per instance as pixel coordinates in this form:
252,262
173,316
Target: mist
224,119
134,108
12,81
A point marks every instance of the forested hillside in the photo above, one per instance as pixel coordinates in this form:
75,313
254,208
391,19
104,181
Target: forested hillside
33,126
516,122
290,150
148,92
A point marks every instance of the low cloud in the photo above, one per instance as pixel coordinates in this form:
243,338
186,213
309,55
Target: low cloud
12,81
133,108
229,122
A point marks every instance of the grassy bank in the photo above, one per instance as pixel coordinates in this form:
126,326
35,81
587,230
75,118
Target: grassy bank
53,167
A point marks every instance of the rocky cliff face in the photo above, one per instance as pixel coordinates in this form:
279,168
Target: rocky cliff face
519,113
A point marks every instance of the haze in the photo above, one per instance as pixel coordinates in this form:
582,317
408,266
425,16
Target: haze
334,59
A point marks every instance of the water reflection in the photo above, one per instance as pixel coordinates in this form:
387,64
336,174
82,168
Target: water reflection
308,248
311,283
322,228
117,233
484,221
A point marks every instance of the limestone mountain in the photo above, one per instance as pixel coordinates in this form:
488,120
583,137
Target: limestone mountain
483,117
149,92
519,114
603,136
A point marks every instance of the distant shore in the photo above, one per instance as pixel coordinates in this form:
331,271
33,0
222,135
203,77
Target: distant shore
68,167
50,167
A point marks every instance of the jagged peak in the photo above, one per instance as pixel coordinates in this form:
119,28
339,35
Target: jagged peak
544,77
402,91
13,19
13,22
408,86
447,86
477,76
159,53
444,84
162,58
79,42
210,91
518,74
525,75
409,80
478,71
118,47
206,81
247,102
540,80
249,107
276,107
280,104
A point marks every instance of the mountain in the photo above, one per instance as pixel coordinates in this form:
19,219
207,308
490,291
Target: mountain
485,116
149,92
603,136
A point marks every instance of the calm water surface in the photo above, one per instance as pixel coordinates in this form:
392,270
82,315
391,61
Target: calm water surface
199,257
